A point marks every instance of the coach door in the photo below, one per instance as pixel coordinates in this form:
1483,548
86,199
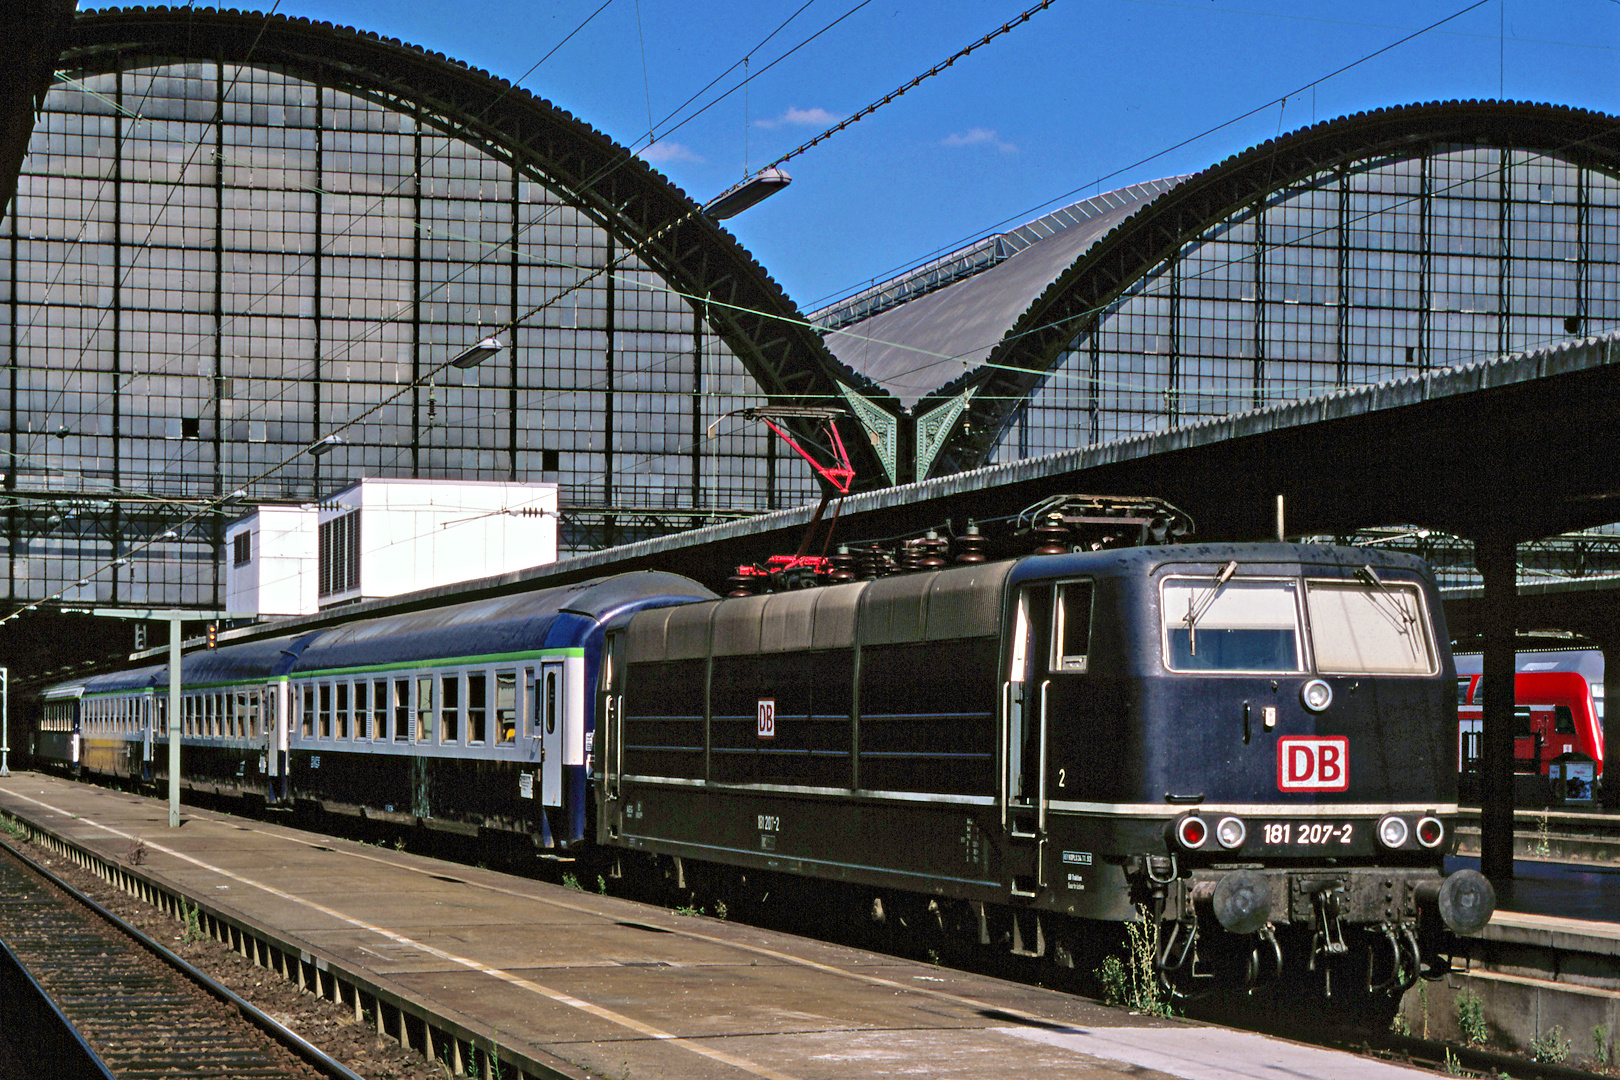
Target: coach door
550,724
610,714
147,714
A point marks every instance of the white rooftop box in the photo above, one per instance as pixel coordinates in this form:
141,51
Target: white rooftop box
381,538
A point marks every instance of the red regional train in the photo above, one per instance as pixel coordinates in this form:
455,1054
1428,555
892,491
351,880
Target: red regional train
1558,709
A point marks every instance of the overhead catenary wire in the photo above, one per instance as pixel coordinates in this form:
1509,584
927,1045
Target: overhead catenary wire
1098,181
1453,17
900,91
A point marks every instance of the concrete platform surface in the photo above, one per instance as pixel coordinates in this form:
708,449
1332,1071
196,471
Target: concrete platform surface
609,987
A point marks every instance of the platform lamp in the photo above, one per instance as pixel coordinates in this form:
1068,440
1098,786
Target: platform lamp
472,356
325,446
749,192
478,353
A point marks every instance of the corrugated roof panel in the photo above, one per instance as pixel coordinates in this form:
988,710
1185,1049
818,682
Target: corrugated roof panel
914,347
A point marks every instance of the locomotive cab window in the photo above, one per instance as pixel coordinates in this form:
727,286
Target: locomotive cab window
1563,720
1225,623
1369,626
1071,626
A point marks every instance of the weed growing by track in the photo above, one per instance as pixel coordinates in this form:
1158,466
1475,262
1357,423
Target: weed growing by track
1133,983
1550,1047
1471,1019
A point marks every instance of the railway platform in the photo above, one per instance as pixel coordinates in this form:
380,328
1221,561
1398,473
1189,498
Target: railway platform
461,962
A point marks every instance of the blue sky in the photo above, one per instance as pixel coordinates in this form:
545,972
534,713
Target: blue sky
1068,104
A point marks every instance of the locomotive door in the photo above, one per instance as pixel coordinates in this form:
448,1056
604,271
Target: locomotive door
550,701
1022,781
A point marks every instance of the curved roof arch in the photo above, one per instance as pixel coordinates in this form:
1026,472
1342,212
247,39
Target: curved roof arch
1074,301
618,190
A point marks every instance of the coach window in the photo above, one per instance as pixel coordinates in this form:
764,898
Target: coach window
1071,626
450,708
506,706
163,716
188,715
309,712
477,704
424,709
326,710
362,715
379,709
210,727
402,710
342,710
253,714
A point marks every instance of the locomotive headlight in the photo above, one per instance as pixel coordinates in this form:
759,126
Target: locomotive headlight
1316,695
1192,832
1392,831
1230,831
1430,832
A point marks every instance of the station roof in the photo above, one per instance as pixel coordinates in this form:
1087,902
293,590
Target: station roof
932,325
34,35
619,190
1465,449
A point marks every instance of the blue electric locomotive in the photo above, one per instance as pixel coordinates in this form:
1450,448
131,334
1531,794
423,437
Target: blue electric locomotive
1251,744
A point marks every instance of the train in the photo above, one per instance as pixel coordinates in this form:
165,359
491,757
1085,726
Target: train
1248,748
1558,710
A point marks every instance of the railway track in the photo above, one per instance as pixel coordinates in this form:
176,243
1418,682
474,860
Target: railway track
133,1008
1438,1057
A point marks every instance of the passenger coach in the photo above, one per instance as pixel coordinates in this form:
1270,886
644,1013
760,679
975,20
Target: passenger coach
464,718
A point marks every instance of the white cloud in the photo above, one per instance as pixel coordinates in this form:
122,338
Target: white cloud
664,151
797,117
978,137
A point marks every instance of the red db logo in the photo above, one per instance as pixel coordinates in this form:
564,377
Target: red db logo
767,718
1313,764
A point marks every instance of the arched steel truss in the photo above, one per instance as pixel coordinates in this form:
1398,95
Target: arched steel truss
643,211
1075,302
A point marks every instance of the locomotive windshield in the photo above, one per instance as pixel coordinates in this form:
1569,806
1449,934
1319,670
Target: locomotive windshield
1224,624
1354,627
1357,629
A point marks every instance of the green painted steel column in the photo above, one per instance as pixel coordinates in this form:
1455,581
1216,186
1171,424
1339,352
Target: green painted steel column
174,721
